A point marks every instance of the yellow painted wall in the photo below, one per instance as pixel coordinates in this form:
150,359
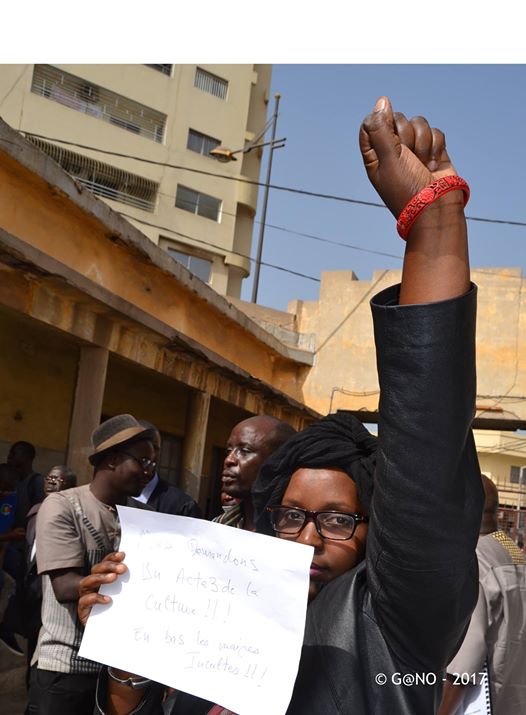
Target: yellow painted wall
345,353
498,452
38,368
146,395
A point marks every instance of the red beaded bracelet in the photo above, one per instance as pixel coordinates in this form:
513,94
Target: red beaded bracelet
425,197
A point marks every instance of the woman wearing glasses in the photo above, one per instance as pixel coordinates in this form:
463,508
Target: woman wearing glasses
312,483
394,576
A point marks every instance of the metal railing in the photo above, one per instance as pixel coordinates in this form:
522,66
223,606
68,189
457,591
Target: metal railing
95,101
103,179
107,192
208,82
165,69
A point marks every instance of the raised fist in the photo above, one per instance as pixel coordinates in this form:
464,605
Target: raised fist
402,156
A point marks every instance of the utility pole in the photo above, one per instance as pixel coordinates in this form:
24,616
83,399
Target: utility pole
261,234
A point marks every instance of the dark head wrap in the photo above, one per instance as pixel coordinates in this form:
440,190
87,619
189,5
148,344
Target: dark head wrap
337,441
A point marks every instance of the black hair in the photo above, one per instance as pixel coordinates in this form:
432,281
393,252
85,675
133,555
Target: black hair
26,449
337,441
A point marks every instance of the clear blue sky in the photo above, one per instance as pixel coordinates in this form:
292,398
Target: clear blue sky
481,109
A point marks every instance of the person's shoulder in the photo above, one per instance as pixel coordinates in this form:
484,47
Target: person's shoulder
497,549
167,489
75,494
164,486
64,500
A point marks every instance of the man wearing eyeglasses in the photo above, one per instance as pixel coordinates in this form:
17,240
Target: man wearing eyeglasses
159,494
76,529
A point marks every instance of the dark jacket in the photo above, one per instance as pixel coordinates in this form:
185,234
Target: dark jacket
169,499
404,610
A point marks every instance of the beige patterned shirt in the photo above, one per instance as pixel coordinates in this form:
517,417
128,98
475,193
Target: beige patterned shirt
74,531
498,625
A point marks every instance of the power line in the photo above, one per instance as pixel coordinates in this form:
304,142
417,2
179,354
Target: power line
273,226
297,273
211,173
309,235
11,88
227,213
306,235
221,248
243,180
333,242
511,446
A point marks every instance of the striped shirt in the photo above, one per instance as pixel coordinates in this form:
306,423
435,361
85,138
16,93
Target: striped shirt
74,531
232,516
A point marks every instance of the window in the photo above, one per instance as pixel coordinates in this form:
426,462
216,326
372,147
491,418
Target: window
169,466
200,267
165,69
197,203
103,179
515,475
201,143
83,96
210,83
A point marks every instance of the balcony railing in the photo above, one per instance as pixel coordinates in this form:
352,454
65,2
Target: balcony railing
102,179
208,82
95,101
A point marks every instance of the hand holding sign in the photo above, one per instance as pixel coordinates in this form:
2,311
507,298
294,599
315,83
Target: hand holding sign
107,571
211,610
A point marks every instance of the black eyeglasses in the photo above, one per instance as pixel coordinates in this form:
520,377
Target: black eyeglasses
335,525
147,465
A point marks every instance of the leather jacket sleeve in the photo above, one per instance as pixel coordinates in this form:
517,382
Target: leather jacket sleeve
428,497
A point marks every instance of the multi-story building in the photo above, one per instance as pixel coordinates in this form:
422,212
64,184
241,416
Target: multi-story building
140,136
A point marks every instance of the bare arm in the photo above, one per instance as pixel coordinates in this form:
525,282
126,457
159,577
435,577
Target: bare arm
65,584
401,158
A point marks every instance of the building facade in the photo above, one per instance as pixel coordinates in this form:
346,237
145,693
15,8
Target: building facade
155,126
95,320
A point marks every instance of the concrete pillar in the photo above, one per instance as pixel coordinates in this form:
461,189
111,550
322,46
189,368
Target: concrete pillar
194,443
87,406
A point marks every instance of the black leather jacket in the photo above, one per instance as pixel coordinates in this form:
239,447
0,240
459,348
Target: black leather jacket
404,611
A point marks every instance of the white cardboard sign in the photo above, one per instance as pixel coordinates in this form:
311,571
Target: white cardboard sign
207,609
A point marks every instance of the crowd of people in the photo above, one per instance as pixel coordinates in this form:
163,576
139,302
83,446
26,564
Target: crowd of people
78,526
394,521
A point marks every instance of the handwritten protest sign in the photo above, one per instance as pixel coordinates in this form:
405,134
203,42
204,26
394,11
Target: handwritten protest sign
207,609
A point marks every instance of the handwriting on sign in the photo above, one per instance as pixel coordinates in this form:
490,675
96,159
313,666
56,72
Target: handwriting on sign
202,608
226,558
